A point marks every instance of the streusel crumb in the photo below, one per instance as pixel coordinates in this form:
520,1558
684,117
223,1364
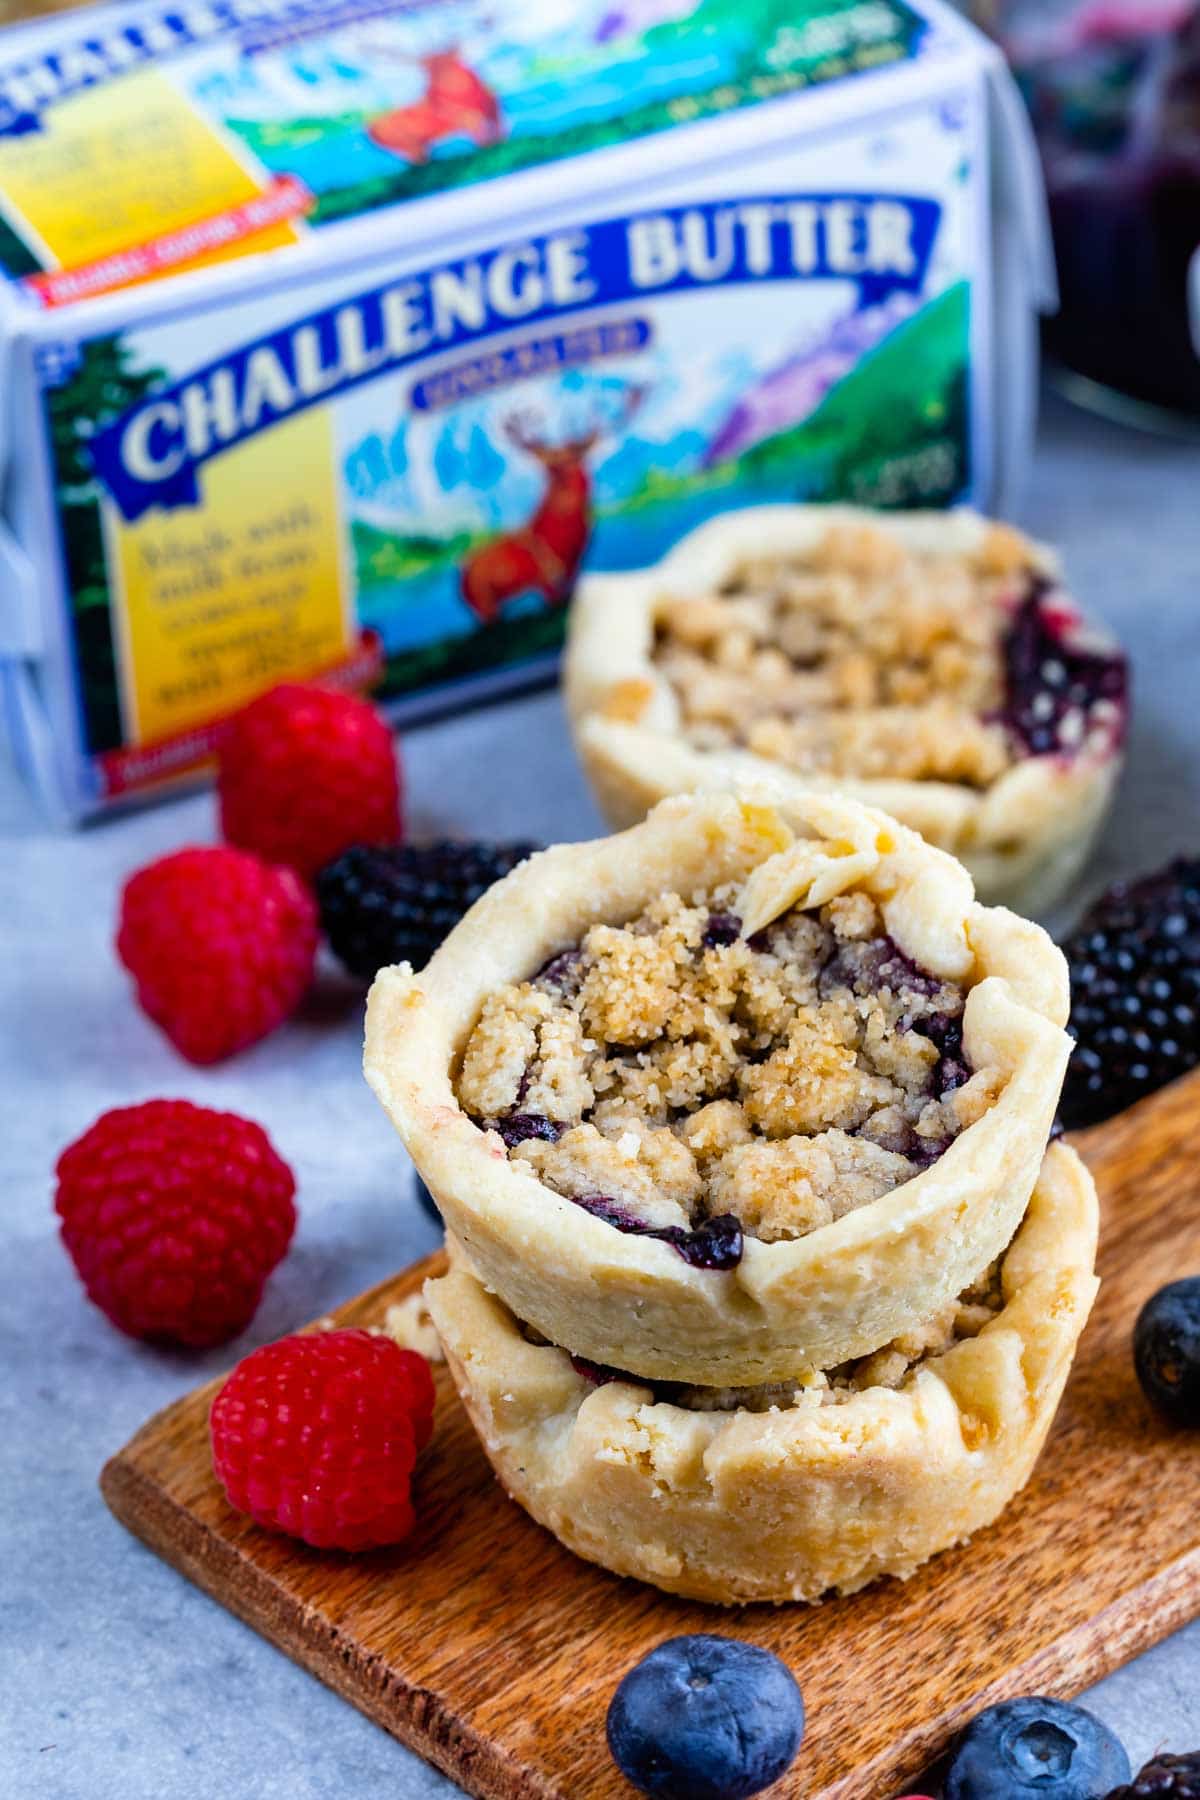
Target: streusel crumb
859,658
408,1324
668,1071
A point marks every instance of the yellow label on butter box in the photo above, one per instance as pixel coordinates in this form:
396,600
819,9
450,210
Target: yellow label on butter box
213,604
144,149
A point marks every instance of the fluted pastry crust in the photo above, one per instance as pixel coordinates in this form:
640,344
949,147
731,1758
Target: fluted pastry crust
797,1503
1023,832
837,1293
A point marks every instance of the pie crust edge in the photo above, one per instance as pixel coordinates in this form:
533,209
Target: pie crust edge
794,1504
838,1293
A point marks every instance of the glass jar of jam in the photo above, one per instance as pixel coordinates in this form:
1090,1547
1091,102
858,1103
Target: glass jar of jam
1113,87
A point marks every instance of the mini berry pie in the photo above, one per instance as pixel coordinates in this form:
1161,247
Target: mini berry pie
929,664
801,1488
731,1093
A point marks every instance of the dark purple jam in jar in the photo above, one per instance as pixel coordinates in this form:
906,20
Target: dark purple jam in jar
1113,87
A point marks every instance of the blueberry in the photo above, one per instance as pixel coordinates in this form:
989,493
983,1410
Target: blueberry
706,1718
425,1199
1166,1350
1036,1750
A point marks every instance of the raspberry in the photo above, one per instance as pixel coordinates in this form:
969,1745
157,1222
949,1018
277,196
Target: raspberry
220,945
316,1435
174,1216
396,904
303,772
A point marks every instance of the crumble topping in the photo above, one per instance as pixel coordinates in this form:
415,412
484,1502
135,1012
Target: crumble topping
864,658
408,1323
681,1081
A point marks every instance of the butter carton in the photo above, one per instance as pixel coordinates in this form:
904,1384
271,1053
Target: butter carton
339,334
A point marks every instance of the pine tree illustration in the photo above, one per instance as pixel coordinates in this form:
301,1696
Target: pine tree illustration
102,386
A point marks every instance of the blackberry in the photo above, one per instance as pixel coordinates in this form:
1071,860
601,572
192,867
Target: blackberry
395,903
1166,1778
1135,983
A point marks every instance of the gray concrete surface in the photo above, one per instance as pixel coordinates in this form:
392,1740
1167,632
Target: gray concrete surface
122,1682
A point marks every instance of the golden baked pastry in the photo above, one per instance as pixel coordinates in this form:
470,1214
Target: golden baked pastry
930,664
729,1094
817,1486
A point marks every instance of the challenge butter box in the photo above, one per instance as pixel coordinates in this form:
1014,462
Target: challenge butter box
339,334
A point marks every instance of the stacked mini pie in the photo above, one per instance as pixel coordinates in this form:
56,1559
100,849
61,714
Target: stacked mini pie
932,664
763,1280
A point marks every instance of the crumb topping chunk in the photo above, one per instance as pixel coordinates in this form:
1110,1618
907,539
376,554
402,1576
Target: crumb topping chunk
681,1081
868,659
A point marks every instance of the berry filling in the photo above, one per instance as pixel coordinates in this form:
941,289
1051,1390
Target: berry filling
1056,691
722,928
523,1128
866,659
684,1083
715,1244
562,971
946,1035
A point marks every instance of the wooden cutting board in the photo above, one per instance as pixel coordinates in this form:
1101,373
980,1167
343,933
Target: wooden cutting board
492,1652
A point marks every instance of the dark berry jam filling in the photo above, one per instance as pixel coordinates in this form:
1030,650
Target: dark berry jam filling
946,1035
722,928
563,971
600,1375
867,969
518,1128
716,1244
1052,688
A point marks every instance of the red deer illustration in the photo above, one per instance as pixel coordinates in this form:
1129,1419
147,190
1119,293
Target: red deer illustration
456,102
545,553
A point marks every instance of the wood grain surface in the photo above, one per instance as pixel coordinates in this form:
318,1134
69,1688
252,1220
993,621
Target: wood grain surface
493,1652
